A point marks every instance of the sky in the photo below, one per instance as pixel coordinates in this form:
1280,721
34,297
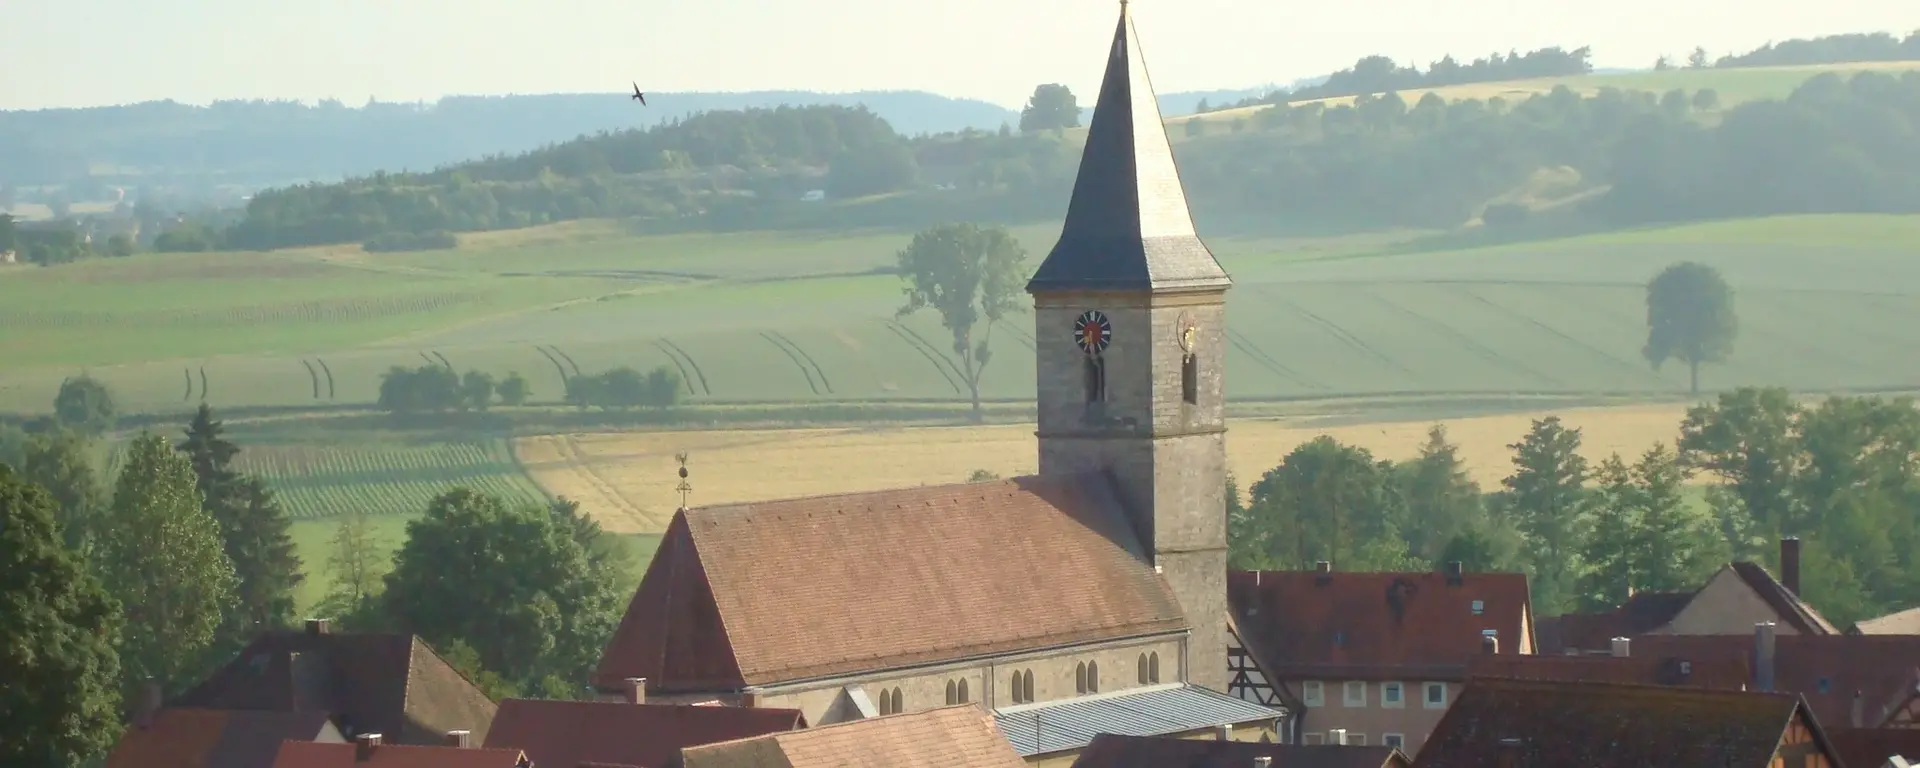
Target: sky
71,53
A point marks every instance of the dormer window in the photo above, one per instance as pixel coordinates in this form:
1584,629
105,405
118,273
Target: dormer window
1479,607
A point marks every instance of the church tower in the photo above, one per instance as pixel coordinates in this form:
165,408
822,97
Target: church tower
1130,320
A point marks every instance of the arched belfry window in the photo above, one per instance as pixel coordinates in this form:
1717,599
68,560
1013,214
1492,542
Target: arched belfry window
964,695
1093,677
1153,667
1080,678
1143,669
1026,685
1190,379
898,706
1096,375
953,693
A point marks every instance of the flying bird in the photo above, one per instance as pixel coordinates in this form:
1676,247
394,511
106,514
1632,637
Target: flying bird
638,96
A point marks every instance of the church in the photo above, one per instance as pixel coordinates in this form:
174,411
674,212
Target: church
1088,598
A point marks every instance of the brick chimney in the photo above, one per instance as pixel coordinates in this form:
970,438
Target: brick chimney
1790,564
318,626
1337,736
750,699
1223,733
636,690
460,739
1763,656
1622,647
1456,573
147,705
364,746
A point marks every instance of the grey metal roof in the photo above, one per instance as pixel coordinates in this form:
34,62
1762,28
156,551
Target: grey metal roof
1156,711
1128,226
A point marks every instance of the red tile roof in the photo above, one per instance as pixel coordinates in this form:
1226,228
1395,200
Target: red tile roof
1713,671
1825,669
1905,622
212,738
566,734
1642,613
1870,747
859,568
296,754
386,683
1596,725
962,736
1115,751
1375,625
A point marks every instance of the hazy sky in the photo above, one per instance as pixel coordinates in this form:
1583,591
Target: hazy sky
87,52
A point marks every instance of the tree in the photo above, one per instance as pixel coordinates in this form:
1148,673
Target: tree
62,698
513,390
982,476
1697,59
871,171
59,461
1706,99
1663,63
1608,552
663,387
84,404
9,232
1746,438
256,535
966,273
356,563
1439,496
1690,318
1327,501
1547,500
476,390
1675,547
506,580
1052,106
120,245
160,553
210,454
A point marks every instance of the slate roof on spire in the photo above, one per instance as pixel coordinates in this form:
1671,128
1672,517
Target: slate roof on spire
1128,227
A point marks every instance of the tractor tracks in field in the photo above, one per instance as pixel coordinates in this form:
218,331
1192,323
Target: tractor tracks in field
1464,340
940,363
816,378
1639,370
577,462
1241,342
1341,334
673,349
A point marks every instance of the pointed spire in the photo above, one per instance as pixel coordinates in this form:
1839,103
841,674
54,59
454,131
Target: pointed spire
1128,226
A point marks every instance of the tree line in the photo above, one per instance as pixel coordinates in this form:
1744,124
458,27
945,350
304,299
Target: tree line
436,389
165,573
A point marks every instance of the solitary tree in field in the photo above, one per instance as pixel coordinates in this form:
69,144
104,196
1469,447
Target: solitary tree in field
84,404
967,273
1690,318
1052,106
62,697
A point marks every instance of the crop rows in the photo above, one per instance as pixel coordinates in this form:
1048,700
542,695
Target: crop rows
311,311
315,482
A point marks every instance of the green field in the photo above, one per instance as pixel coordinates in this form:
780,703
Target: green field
321,481
1824,303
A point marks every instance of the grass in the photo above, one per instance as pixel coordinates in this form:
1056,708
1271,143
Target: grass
316,481
1734,86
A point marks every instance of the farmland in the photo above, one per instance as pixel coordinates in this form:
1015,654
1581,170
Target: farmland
628,479
1734,86
316,481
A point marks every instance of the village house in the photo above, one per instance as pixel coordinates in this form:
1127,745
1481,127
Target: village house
1874,747
213,738
369,751
1090,598
389,684
961,736
1539,724
1848,681
568,734
1112,751
1378,656
1905,622
1737,597
1717,671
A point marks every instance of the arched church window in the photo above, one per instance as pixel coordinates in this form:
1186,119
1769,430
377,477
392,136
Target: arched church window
1153,667
898,705
885,703
1096,375
1026,685
953,693
1080,678
964,696
1143,669
1190,379
1093,677
1015,690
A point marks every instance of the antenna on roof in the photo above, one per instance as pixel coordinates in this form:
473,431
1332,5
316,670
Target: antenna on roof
684,487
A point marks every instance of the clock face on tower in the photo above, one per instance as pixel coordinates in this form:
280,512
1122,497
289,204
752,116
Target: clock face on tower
1187,332
1092,332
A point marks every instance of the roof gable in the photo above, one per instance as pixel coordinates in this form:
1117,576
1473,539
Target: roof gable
1598,725
960,736
569,733
1792,610
1362,624
1008,566
1116,751
1128,226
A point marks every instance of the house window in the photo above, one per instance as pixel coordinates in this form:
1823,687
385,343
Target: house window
1312,694
1356,694
1436,695
1479,607
1153,667
1392,695
1096,374
1312,738
1826,685
964,695
1080,678
1356,739
1395,740
1190,379
1093,677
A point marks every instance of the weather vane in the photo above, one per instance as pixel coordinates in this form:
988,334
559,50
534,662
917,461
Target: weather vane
684,487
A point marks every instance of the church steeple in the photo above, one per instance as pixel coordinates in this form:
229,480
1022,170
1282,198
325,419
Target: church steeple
1128,226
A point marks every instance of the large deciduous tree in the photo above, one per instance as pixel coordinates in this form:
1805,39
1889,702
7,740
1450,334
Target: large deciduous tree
510,581
1329,501
60,461
1051,107
60,701
161,555
1690,318
967,273
1746,439
84,404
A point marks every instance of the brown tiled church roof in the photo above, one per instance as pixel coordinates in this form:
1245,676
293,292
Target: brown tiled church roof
1346,624
767,592
565,734
961,736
